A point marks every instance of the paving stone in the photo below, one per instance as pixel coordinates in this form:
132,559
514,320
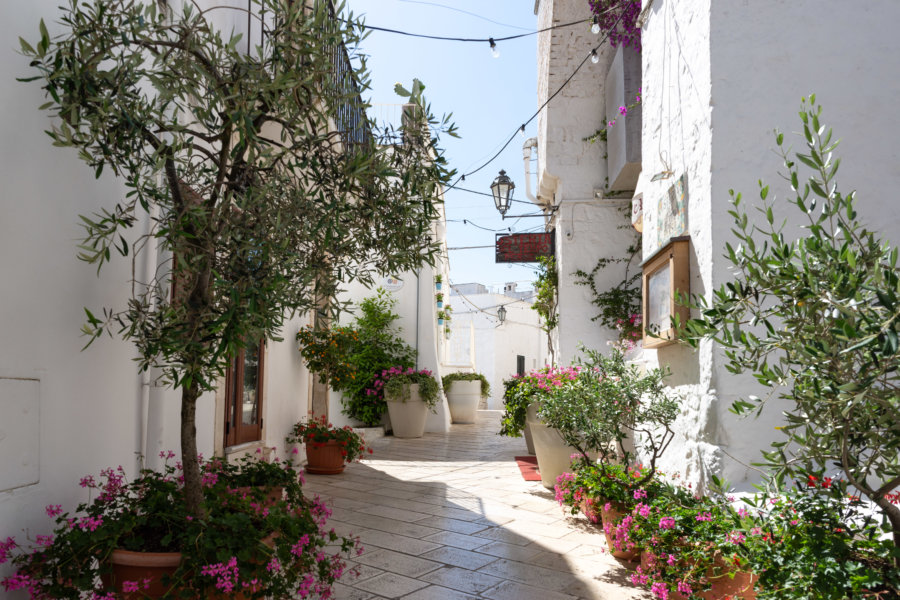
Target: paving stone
533,575
397,562
459,557
449,517
434,592
459,540
462,580
391,585
511,551
510,590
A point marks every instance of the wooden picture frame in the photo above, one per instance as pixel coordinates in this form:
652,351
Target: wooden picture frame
664,274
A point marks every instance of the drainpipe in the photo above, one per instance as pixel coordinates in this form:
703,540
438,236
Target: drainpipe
530,143
418,284
151,256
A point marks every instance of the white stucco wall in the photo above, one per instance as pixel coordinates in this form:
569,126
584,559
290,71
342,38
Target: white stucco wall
480,344
417,322
87,402
81,409
571,169
718,78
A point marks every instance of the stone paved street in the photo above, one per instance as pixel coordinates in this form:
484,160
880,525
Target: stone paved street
449,517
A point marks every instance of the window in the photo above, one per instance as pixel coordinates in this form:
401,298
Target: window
520,365
665,275
244,396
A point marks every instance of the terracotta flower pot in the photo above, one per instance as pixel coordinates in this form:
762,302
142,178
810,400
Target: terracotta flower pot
728,582
324,458
273,494
591,509
145,569
611,518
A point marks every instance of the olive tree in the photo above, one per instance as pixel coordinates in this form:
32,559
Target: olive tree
256,166
814,317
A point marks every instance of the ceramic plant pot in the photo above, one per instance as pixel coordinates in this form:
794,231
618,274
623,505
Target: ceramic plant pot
407,417
529,441
463,398
324,458
553,455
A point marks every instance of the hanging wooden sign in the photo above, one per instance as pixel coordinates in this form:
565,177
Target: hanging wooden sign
523,247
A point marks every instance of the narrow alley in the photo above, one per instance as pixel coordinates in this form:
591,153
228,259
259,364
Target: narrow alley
449,516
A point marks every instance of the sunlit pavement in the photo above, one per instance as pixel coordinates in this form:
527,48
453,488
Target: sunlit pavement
449,516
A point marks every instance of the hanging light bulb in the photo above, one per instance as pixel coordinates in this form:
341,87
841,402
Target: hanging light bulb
595,27
595,58
522,130
495,52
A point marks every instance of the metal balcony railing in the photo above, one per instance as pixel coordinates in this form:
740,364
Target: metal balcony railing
350,114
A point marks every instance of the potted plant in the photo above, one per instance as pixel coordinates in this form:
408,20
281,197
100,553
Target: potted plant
438,280
439,298
516,399
409,395
464,392
247,546
328,448
523,397
441,315
350,358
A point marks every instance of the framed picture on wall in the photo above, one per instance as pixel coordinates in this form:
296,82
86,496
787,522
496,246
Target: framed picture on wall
664,274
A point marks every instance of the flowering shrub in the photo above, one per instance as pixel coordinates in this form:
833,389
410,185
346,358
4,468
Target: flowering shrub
318,432
249,541
520,391
328,352
688,538
350,358
395,382
618,17
607,401
818,541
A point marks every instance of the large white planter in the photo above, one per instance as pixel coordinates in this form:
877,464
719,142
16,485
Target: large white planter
407,418
529,442
463,398
553,455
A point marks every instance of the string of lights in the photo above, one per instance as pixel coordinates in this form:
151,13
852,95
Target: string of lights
592,56
490,40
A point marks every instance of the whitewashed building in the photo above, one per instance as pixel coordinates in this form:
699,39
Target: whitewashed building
480,343
717,78
64,412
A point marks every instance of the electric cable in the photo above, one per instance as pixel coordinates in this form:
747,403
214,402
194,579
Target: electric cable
556,93
489,40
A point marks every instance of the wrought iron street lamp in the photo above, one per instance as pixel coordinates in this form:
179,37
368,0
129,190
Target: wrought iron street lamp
501,314
502,190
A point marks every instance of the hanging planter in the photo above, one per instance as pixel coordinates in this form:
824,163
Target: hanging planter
438,280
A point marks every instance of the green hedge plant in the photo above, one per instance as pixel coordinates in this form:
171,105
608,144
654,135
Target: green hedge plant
447,381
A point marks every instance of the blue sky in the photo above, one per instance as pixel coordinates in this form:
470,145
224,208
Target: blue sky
489,98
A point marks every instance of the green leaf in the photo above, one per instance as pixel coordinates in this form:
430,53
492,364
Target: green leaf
26,47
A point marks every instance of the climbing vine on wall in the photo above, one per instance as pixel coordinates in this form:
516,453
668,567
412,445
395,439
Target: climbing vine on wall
546,296
619,305
619,18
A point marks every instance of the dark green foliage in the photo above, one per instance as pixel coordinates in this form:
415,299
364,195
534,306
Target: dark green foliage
447,381
379,348
232,154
